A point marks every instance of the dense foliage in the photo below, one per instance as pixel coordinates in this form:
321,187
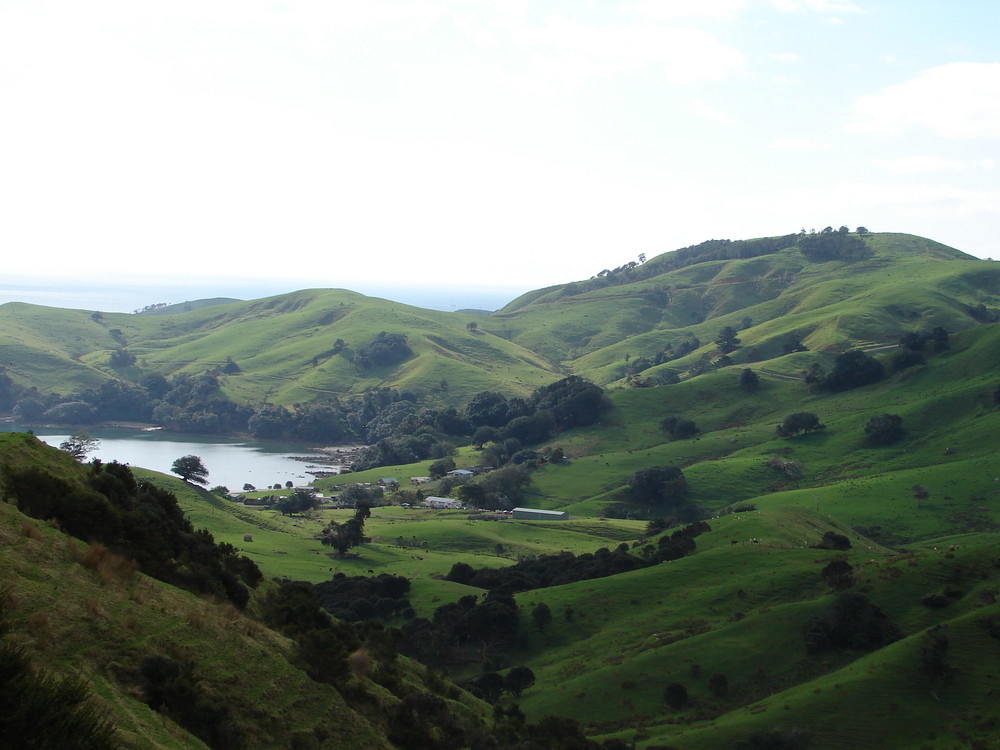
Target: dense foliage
556,570
42,711
138,521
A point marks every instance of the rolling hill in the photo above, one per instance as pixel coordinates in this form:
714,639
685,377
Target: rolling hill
301,347
766,634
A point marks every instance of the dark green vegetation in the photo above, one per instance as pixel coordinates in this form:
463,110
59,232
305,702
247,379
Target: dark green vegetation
842,595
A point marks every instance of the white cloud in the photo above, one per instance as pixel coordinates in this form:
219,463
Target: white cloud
920,164
785,57
796,144
817,6
669,10
957,100
709,112
919,201
576,50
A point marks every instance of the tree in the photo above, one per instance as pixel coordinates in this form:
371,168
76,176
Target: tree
718,685
934,659
471,326
749,379
344,536
484,435
727,340
121,358
800,421
838,574
301,500
441,467
517,680
678,428
79,444
884,429
190,469
542,616
853,369
675,695
658,485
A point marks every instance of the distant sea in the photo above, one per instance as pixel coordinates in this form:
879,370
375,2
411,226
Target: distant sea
129,298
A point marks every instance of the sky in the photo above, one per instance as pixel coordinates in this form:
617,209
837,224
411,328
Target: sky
464,151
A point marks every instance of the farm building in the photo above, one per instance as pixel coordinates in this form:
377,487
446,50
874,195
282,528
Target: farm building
442,502
535,514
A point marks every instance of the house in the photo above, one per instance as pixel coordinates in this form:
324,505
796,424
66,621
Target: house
536,514
419,480
442,502
389,483
462,473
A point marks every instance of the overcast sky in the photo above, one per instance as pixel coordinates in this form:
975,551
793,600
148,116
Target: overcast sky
512,144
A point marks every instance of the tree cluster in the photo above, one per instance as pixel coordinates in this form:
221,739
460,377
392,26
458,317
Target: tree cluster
852,621
465,630
172,687
360,598
800,421
658,487
555,570
832,245
42,711
384,350
551,409
853,369
139,521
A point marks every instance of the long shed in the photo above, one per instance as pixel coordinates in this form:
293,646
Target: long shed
537,514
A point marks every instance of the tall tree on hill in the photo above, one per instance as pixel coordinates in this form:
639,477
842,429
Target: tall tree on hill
79,444
727,340
190,469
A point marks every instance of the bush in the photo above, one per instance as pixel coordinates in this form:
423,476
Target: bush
679,428
853,369
884,429
718,685
675,695
801,421
658,485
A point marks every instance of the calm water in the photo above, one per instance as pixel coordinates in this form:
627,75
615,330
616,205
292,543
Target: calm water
229,463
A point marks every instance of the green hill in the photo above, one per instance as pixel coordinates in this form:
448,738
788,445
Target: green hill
751,639
302,347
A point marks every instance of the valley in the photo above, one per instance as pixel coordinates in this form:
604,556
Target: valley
842,595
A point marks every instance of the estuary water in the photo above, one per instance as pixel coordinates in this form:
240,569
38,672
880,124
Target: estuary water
229,463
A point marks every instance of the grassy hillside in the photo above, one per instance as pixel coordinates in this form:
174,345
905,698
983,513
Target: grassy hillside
900,653
284,347
905,283
74,609
286,351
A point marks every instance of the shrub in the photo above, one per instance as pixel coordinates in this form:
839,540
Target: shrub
718,685
749,379
800,421
884,429
853,369
935,600
675,695
679,428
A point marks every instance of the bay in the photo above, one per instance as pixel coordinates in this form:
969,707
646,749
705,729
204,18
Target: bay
230,463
